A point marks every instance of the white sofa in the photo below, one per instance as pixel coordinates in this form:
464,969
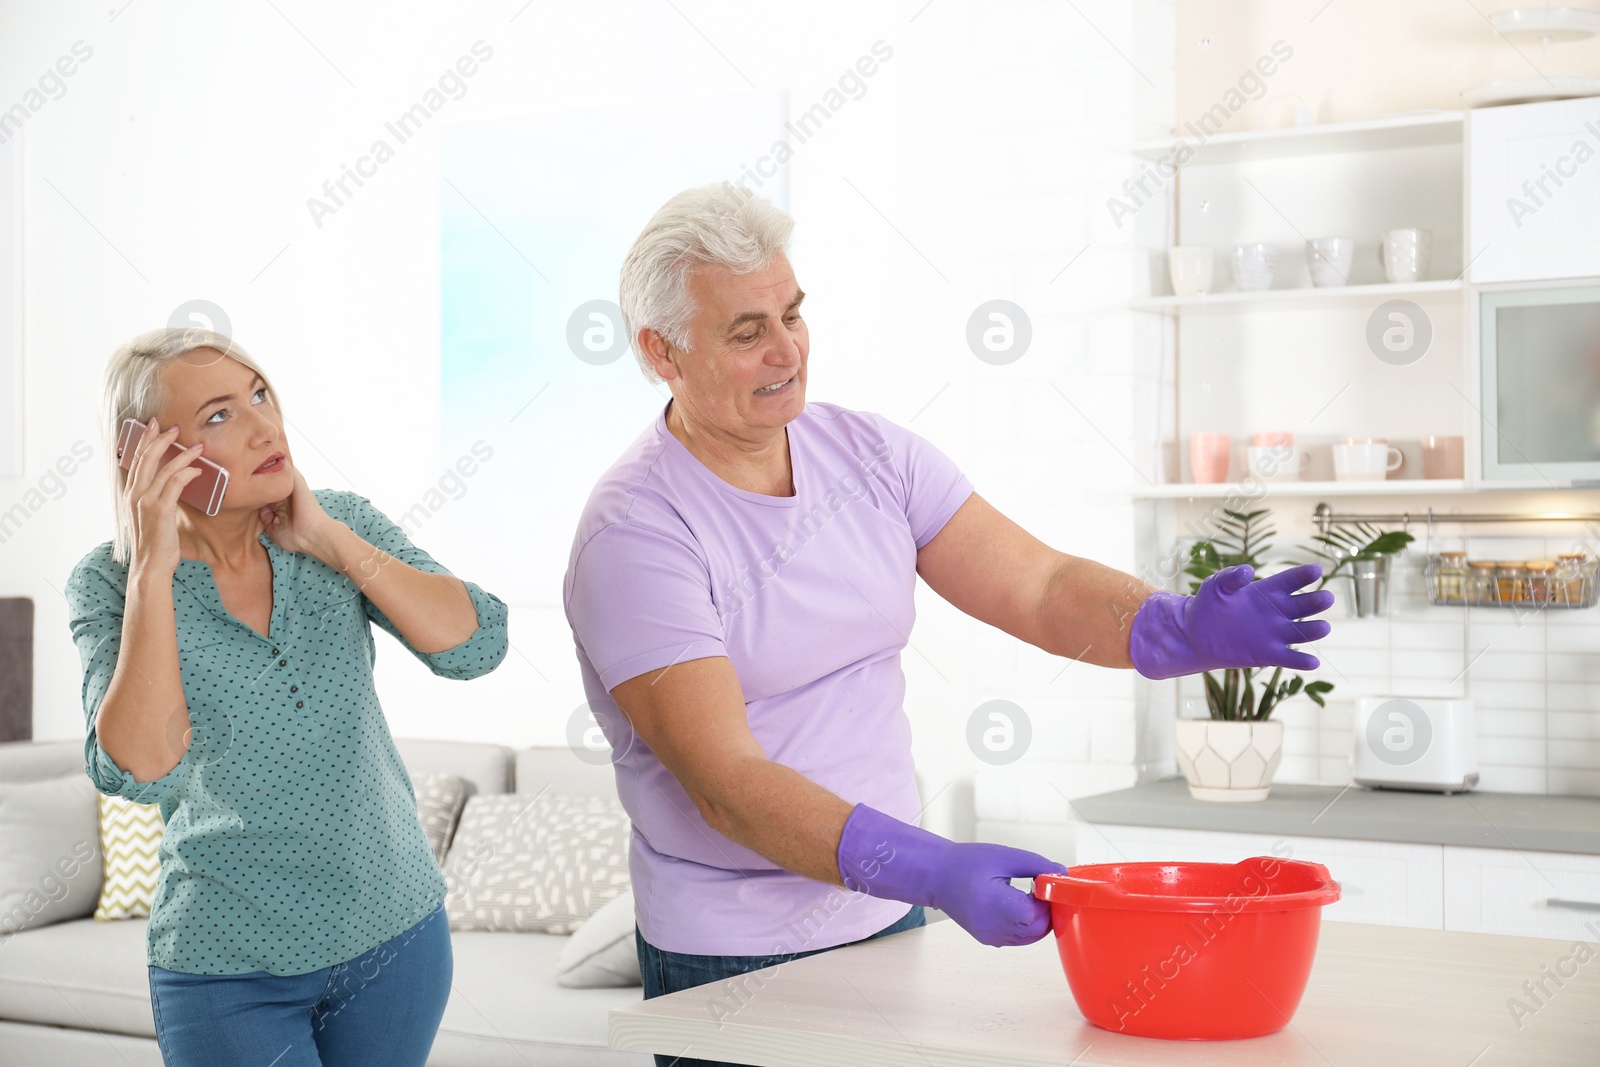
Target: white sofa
77,992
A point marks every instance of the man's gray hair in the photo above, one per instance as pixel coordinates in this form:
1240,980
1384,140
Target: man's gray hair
718,224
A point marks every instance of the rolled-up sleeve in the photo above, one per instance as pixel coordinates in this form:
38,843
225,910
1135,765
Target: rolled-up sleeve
94,607
483,650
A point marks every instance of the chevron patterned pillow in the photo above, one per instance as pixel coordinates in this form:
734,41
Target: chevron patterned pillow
129,836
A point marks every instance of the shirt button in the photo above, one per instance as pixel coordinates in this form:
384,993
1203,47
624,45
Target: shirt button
275,651
283,662
299,703
294,689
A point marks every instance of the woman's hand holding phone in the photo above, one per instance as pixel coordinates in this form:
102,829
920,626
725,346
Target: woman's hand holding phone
143,724
152,494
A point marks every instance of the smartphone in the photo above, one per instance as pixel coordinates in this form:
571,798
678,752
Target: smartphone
204,492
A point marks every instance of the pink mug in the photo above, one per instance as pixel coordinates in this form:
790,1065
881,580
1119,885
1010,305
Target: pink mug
1443,457
1269,438
1208,457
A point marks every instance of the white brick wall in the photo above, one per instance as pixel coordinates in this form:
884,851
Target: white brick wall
1062,444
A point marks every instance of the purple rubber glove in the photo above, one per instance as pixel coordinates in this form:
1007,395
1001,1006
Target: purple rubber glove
970,882
1232,621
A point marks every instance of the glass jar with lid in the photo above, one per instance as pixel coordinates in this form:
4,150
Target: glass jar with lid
1568,585
1480,588
1540,580
1450,578
1511,581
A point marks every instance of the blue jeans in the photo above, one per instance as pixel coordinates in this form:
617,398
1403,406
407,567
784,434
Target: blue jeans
668,972
381,1008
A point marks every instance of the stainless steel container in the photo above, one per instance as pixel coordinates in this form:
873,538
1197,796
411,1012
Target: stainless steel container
1369,581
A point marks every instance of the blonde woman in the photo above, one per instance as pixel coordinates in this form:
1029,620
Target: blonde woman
227,665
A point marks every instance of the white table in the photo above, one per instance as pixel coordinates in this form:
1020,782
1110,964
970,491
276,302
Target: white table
933,997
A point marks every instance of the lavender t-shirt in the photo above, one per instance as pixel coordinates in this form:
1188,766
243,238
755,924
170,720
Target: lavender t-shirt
810,598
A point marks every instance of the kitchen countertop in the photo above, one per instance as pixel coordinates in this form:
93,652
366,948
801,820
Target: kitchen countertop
934,997
1479,820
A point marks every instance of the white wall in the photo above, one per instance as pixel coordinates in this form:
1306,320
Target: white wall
177,163
1358,58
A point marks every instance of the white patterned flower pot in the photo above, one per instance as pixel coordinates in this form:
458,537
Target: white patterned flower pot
1229,760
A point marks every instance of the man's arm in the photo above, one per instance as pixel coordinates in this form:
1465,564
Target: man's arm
998,573
692,716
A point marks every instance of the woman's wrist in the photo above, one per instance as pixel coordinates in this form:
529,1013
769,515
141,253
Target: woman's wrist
143,578
324,543
349,553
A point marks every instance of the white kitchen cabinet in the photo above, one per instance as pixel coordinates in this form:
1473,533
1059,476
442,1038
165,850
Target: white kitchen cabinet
1380,881
1533,180
1537,894
1479,890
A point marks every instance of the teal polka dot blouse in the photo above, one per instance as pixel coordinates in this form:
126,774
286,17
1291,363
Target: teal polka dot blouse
292,841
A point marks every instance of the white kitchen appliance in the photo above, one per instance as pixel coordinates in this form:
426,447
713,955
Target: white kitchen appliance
1416,743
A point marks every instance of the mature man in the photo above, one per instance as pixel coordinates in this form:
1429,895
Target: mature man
740,589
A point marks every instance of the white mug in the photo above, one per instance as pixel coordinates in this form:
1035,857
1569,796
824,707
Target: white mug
1192,267
1365,461
1253,267
1277,463
1330,259
1405,254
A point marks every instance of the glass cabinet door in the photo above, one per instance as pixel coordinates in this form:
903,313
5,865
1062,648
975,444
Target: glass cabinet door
1541,385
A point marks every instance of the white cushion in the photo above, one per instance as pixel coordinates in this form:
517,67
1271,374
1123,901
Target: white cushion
33,761
79,974
505,1008
25,1043
601,953
50,865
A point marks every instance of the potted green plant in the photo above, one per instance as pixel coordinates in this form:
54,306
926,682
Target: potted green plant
1360,552
1232,754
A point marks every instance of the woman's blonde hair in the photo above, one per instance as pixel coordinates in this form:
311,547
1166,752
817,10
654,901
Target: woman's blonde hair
135,389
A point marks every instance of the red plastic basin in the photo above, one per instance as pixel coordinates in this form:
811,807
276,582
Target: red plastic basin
1188,951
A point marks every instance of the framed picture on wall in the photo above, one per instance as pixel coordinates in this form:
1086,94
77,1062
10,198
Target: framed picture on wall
10,302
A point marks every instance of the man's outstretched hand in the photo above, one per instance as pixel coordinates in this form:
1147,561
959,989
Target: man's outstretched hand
1231,621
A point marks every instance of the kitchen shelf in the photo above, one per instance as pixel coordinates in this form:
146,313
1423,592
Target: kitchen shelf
1220,490
1295,299
1403,130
